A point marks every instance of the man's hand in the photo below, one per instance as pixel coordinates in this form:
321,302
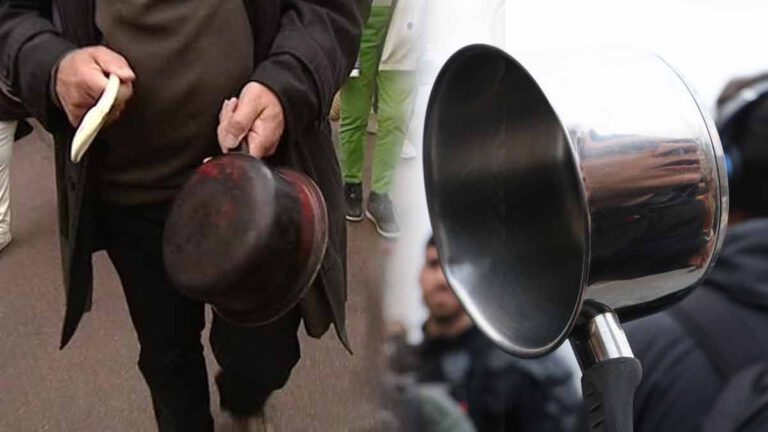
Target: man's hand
256,116
82,77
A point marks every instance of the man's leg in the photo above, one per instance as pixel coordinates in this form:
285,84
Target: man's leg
7,131
168,324
395,89
356,107
254,361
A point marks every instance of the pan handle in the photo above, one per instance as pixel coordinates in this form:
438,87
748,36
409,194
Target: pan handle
609,392
242,148
611,372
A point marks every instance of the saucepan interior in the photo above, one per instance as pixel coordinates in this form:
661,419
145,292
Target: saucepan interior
506,201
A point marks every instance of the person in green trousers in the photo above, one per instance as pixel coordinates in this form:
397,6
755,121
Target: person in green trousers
394,85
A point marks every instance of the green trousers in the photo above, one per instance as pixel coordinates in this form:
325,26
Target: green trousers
395,93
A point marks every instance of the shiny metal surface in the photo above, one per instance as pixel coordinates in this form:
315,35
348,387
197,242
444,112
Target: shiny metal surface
569,176
602,339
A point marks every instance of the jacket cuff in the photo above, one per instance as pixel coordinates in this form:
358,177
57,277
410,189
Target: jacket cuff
296,88
35,63
318,71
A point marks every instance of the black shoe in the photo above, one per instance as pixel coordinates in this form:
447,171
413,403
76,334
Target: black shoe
353,194
381,211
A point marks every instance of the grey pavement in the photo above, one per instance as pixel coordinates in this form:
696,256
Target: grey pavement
94,384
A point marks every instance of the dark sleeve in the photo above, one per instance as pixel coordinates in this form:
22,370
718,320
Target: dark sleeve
10,108
526,404
679,383
30,47
311,57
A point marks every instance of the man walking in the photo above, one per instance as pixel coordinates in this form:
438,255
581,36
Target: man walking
282,61
387,63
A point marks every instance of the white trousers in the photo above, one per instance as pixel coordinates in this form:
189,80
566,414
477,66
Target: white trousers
7,130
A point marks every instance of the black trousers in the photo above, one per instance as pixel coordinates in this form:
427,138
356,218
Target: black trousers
254,361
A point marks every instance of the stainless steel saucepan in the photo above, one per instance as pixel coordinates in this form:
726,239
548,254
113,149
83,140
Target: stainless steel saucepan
569,191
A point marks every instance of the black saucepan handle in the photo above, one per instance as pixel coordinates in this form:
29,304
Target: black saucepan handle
609,392
242,148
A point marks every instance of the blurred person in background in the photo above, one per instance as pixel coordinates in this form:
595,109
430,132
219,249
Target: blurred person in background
410,406
705,361
387,63
499,393
11,111
7,133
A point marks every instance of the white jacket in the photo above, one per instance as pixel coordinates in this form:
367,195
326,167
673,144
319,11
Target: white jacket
401,48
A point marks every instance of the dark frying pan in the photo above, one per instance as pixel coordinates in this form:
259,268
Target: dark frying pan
246,238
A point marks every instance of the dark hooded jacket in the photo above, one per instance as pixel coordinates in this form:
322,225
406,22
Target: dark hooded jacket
501,393
680,381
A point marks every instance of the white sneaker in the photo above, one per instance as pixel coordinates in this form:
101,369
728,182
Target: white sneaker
409,151
5,240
